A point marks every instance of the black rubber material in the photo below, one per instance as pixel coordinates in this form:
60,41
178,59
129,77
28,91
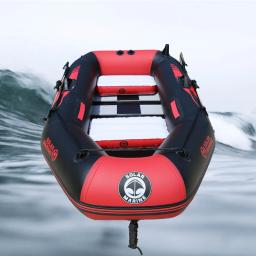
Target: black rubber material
69,134
126,108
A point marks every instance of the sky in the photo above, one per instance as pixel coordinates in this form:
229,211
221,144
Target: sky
217,38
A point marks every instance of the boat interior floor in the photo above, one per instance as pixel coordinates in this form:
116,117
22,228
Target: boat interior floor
132,120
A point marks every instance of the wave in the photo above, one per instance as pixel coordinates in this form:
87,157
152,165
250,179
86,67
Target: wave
25,99
25,95
235,130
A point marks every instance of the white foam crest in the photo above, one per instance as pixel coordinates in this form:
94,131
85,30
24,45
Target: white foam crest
229,130
41,86
31,81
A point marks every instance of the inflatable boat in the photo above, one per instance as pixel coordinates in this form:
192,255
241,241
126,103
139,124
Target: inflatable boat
129,151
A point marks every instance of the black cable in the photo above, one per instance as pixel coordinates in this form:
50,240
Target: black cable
133,235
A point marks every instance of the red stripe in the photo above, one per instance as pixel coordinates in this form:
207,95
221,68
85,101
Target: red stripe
57,95
74,73
64,94
175,111
188,90
130,143
96,216
177,73
81,113
192,89
124,90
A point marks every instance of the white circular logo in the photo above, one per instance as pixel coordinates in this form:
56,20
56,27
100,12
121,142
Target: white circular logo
134,187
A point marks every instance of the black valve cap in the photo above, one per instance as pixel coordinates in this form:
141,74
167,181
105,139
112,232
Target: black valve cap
120,52
131,52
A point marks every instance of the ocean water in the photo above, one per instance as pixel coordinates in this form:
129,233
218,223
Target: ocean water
37,219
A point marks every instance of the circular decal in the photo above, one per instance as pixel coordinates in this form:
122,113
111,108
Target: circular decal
134,187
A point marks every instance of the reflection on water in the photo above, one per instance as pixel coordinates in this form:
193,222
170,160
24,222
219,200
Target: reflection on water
36,217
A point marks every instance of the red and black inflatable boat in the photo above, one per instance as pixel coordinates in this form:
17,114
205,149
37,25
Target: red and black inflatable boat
129,178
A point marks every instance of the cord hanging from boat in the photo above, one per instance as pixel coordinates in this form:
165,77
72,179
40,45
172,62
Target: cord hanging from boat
60,86
133,236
